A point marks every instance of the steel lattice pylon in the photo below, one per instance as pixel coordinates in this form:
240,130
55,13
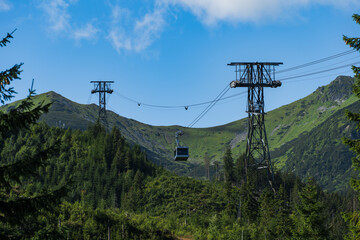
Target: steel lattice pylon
102,87
255,76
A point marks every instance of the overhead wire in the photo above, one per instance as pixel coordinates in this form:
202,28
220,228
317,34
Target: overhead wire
318,77
139,103
211,105
316,61
220,96
317,72
89,99
327,66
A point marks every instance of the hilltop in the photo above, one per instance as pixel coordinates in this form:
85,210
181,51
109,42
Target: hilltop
304,136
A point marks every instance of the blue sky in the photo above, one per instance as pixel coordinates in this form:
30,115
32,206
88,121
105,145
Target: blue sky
174,52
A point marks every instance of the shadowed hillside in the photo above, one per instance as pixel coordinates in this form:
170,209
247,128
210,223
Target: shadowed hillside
304,136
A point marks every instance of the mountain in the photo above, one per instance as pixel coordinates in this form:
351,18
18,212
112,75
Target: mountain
304,136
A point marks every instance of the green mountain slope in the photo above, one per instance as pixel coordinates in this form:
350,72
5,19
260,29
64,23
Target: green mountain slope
312,123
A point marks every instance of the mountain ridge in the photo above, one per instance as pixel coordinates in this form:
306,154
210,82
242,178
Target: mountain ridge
286,125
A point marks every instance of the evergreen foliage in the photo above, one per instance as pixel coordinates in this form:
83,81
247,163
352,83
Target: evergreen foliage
240,170
309,217
118,193
228,166
117,190
354,144
207,166
305,136
19,208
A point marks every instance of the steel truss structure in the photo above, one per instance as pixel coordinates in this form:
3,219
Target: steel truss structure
255,76
102,87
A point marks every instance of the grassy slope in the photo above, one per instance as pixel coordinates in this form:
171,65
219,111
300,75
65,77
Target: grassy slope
283,125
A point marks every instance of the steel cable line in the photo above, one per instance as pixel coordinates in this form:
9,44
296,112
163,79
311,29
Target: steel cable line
328,65
89,99
278,72
317,61
323,67
177,106
211,105
221,97
318,77
313,73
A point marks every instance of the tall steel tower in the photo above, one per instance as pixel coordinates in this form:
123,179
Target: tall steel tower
255,76
102,87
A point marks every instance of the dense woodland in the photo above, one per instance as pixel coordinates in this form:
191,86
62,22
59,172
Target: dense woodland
113,189
59,183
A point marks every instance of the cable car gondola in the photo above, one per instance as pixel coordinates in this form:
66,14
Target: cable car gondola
180,153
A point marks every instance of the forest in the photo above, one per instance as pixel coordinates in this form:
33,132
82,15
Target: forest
113,190
58,183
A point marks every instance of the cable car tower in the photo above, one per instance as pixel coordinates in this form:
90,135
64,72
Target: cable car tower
102,87
255,76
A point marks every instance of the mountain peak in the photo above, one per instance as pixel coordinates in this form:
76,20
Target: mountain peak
337,91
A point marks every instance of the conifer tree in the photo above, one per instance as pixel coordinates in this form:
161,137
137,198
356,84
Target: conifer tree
207,166
354,218
17,206
266,220
228,166
240,174
309,217
249,204
283,223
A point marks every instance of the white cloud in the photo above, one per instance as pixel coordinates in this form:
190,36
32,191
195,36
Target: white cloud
119,14
339,3
4,6
213,11
58,15
119,40
88,32
140,34
148,29
59,20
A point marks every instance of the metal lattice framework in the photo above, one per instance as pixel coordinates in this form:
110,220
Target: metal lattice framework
255,76
102,87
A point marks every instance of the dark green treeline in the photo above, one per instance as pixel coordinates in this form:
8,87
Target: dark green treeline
114,191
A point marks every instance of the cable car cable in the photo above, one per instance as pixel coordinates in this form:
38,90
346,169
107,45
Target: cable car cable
321,68
317,61
211,105
89,99
278,72
208,109
313,73
318,77
177,106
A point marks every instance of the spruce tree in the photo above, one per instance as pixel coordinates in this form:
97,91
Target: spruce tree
228,166
353,219
240,174
283,223
207,166
18,209
309,217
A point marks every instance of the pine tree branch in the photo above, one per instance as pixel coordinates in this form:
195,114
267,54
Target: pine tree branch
356,18
6,77
6,40
352,42
25,167
16,210
355,117
353,144
21,117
